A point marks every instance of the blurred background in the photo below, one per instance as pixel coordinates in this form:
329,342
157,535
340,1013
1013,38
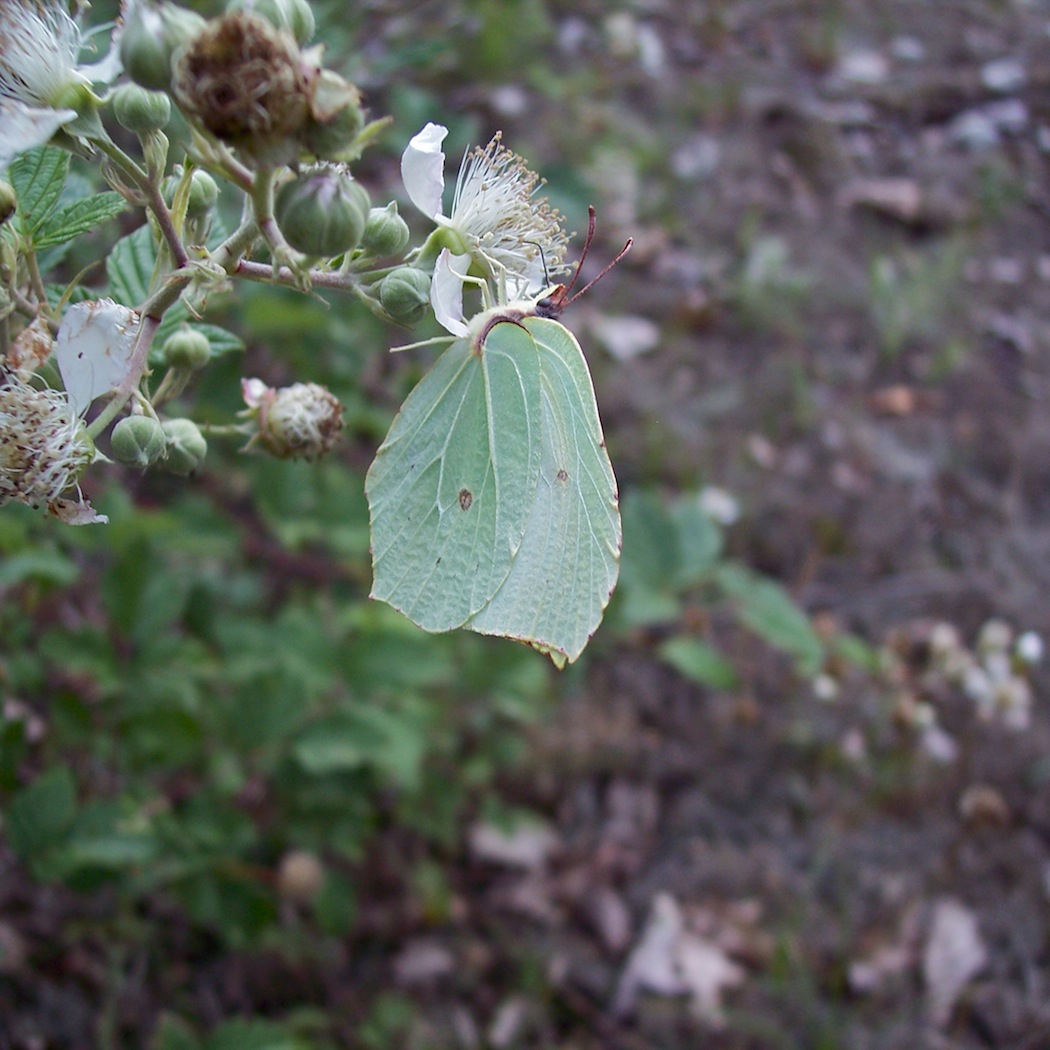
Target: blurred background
795,794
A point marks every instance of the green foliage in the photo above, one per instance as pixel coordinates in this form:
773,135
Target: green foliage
673,558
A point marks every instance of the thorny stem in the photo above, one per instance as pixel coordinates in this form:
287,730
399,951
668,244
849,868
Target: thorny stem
36,280
262,207
149,187
266,274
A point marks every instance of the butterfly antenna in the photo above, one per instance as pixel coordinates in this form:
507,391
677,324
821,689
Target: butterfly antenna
583,255
591,283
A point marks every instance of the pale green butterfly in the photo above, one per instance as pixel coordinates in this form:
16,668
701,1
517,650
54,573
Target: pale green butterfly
493,502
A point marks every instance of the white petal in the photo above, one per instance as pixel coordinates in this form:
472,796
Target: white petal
423,169
255,392
446,291
94,348
22,127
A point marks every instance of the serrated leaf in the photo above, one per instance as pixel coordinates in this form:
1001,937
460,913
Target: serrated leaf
130,266
38,176
41,814
77,218
699,662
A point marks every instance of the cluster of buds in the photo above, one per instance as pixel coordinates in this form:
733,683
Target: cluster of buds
267,118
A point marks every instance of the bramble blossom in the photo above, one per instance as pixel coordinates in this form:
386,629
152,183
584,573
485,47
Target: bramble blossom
40,79
496,229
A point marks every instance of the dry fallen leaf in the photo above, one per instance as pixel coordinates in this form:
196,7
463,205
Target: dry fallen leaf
670,960
954,955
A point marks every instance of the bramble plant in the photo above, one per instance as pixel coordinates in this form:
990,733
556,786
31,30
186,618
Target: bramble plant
492,501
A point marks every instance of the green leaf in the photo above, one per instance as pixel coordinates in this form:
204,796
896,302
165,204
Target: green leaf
38,176
337,743
79,217
699,662
173,1033
41,814
766,608
130,266
253,1034
39,564
493,502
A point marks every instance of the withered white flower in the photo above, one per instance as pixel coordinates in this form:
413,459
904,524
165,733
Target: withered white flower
496,227
40,78
301,421
44,450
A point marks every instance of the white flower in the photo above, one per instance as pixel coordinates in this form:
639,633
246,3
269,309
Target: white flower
44,450
1029,648
719,505
39,77
511,240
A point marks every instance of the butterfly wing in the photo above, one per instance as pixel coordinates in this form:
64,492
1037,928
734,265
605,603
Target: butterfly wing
452,486
562,576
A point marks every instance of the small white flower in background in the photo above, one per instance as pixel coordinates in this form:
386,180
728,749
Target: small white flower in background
944,639
39,76
44,450
825,688
995,635
1029,648
719,505
496,224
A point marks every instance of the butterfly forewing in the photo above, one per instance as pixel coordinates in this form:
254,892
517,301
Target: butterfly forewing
452,486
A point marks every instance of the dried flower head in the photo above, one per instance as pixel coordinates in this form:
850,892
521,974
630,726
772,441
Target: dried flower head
301,421
44,449
247,84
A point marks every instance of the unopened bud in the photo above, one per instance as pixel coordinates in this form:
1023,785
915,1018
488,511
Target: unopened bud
186,446
141,110
8,201
405,294
186,348
336,116
386,233
293,16
320,213
138,441
152,34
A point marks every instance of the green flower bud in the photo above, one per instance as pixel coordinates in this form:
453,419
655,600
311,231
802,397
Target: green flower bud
336,116
386,233
138,441
293,16
405,294
321,213
186,348
204,192
151,36
141,110
8,201
186,446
